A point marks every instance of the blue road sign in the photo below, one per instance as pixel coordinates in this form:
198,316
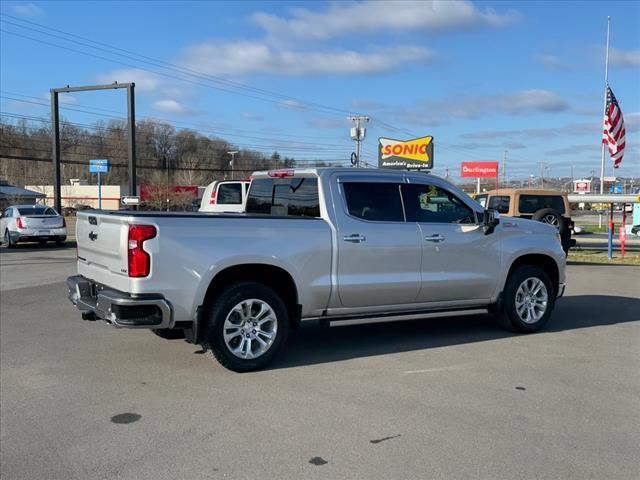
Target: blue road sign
98,166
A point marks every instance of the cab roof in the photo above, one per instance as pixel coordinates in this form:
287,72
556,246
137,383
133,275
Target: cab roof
525,191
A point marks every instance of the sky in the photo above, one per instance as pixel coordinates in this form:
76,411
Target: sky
483,78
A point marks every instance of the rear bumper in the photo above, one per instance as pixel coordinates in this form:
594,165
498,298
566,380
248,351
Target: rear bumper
33,235
118,308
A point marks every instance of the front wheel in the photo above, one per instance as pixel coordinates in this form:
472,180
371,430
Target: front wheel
247,326
528,300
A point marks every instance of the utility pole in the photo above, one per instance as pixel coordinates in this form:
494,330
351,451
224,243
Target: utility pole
358,133
166,164
542,167
232,162
504,169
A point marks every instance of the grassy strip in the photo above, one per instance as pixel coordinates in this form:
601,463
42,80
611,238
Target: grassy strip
600,256
594,229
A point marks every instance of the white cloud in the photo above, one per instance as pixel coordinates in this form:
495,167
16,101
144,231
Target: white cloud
628,58
435,112
293,105
551,62
593,148
145,81
632,122
170,106
252,116
245,57
27,10
345,18
540,133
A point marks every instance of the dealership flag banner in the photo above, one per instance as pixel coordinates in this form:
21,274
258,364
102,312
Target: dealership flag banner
614,132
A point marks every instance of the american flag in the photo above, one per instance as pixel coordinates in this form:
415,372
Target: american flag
614,132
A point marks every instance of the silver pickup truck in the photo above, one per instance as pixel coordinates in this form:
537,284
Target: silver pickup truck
332,244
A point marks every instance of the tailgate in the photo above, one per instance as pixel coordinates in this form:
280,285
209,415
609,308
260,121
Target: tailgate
102,245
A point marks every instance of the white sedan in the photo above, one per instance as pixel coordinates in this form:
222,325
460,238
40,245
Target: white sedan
32,223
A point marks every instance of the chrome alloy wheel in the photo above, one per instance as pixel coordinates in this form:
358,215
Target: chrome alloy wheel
250,328
551,220
531,300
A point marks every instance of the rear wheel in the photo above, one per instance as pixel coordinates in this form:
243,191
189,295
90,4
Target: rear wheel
247,326
528,300
8,241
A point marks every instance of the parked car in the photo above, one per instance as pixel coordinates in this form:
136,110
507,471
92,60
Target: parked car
32,223
546,206
330,244
225,196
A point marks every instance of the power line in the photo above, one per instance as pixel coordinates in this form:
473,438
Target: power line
321,145
303,147
161,64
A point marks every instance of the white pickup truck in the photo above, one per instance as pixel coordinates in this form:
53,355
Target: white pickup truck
331,244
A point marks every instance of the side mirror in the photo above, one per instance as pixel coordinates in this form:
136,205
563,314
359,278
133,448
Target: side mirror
491,221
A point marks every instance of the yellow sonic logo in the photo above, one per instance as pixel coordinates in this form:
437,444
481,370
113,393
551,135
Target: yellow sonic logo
415,149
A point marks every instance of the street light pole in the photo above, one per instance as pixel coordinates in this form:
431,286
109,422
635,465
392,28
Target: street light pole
233,158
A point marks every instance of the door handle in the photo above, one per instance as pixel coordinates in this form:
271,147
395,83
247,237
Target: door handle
355,238
437,238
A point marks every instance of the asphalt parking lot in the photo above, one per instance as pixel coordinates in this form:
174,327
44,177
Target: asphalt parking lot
447,398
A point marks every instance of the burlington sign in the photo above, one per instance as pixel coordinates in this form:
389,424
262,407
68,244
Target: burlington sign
412,154
479,169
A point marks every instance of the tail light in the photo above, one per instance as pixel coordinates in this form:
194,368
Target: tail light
19,223
281,173
139,260
64,223
213,199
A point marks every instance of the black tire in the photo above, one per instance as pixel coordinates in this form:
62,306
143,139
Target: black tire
169,333
549,215
222,306
508,317
8,241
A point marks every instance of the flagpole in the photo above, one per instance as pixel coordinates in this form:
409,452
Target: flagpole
606,85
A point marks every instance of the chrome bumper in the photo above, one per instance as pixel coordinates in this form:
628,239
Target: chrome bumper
118,308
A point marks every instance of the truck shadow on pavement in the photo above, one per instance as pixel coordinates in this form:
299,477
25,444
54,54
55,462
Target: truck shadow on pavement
313,343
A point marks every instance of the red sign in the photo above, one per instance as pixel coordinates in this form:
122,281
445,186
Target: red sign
582,186
479,169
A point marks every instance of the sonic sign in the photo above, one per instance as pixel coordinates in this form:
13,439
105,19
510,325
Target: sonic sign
412,154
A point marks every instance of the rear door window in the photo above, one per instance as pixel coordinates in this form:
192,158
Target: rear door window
295,196
530,204
229,193
500,203
376,202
